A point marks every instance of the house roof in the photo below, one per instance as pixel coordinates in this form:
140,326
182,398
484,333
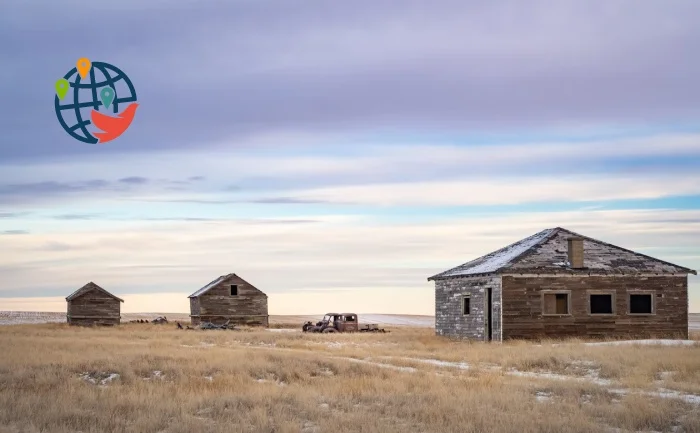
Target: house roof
209,286
86,288
215,283
545,252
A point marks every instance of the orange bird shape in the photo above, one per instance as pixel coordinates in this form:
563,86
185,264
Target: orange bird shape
113,127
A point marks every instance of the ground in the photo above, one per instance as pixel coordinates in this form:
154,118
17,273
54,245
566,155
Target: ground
155,378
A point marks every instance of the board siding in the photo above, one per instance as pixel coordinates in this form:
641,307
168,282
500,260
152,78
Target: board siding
94,307
217,306
449,320
523,319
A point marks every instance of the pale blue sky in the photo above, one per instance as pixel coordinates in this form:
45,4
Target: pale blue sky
336,154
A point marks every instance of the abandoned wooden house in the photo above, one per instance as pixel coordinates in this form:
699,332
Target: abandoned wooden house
93,305
557,283
229,298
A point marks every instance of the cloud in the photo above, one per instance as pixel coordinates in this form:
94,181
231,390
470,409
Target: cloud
14,232
52,187
57,190
285,200
75,217
360,66
508,190
13,214
337,253
134,180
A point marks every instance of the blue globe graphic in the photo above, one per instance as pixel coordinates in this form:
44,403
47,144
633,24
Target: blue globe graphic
73,112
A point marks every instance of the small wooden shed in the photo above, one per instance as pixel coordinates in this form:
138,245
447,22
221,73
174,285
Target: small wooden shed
93,305
229,298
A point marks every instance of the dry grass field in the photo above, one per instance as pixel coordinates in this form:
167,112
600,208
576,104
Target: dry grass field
151,378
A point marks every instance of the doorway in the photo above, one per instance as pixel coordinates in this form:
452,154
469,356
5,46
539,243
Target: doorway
488,315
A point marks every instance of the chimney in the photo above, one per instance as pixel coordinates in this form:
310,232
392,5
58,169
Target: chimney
576,252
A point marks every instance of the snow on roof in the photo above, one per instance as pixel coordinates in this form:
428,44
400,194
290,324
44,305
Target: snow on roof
206,288
498,259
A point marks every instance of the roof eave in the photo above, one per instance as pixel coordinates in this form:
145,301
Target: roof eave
451,277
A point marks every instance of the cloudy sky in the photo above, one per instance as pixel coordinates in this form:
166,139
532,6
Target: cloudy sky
336,154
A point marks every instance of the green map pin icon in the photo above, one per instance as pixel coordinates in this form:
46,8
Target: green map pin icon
107,96
62,86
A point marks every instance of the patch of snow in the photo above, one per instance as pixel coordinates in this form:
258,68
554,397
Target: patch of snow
661,393
87,377
201,344
437,362
283,330
398,320
30,317
688,398
157,374
381,365
310,427
109,378
542,396
593,378
208,286
665,375
659,342
209,378
101,378
275,381
494,261
584,363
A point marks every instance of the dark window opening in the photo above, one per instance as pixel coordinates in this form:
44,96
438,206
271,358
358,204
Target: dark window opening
601,304
465,306
640,304
349,318
556,303
234,290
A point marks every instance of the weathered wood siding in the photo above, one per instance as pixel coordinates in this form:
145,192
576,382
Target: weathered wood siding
99,321
449,320
523,318
94,306
194,306
217,305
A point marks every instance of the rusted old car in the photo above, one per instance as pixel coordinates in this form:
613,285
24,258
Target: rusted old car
340,322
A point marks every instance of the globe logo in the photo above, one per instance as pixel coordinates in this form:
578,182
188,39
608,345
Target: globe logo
89,99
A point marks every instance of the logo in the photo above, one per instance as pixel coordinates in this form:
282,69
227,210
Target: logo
89,99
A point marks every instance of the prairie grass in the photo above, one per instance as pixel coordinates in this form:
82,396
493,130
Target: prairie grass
56,378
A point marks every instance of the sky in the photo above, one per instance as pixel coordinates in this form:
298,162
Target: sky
337,154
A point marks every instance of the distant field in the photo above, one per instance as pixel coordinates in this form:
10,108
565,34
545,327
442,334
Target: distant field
149,378
694,321
22,317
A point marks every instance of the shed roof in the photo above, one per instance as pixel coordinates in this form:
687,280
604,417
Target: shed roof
215,283
516,257
86,288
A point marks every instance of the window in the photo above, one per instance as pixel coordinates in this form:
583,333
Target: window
556,303
234,290
466,310
641,304
601,303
